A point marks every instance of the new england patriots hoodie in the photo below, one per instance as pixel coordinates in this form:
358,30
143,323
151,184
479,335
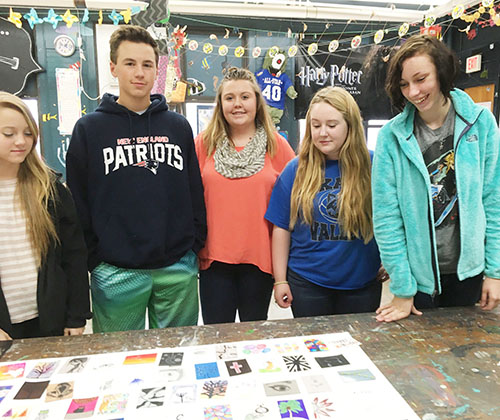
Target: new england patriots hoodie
136,184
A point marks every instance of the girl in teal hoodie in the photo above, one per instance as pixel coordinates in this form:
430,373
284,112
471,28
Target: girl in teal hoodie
436,187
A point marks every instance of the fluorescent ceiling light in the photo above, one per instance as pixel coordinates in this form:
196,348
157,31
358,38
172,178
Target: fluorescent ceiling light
294,10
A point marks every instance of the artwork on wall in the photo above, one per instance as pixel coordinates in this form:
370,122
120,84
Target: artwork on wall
16,59
203,115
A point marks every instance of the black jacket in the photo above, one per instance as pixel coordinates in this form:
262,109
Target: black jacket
63,286
137,185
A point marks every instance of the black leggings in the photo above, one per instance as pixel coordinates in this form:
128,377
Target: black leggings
227,288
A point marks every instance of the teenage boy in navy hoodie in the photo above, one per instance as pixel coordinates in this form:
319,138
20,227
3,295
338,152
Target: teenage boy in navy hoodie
134,175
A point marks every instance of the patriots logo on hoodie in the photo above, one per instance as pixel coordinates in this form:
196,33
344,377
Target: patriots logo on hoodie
150,164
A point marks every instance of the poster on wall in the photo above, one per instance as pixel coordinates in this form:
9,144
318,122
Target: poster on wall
361,72
69,105
16,60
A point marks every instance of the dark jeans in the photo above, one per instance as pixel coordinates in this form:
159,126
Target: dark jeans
453,293
26,329
309,299
225,288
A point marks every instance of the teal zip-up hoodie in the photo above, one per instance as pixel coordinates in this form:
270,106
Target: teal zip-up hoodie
402,204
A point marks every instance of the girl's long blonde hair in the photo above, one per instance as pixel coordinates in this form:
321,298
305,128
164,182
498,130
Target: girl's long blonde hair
355,203
35,187
218,127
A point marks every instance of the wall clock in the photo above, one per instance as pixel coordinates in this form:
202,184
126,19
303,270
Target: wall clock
64,45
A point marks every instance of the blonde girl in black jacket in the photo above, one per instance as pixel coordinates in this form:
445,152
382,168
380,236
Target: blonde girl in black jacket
43,275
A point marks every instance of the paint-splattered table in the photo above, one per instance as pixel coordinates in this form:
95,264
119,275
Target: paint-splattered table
446,363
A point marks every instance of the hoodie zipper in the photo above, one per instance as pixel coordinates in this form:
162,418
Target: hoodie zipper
434,259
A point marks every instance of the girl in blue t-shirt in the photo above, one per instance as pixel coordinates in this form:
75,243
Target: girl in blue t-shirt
325,260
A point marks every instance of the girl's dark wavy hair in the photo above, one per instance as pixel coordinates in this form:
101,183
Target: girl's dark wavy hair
445,60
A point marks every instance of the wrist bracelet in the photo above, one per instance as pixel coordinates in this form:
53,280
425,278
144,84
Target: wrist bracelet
280,282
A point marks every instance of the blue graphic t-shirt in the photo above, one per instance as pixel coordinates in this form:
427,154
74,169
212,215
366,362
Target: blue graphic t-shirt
273,88
319,252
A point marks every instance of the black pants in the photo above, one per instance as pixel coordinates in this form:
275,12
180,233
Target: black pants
309,299
26,329
453,293
227,288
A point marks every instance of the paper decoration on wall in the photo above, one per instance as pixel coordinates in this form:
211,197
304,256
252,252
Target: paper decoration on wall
179,37
487,3
115,17
32,18
53,18
333,45
256,52
379,36
356,42
195,87
226,36
458,11
127,15
403,29
86,16
429,20
273,51
179,92
213,37
99,20
193,45
157,11
434,31
16,60
312,49
223,50
207,48
292,51
205,64
69,18
15,18
275,83
239,51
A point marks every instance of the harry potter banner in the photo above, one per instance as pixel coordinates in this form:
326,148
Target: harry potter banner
361,72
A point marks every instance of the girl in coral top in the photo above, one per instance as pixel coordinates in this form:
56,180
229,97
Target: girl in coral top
240,156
